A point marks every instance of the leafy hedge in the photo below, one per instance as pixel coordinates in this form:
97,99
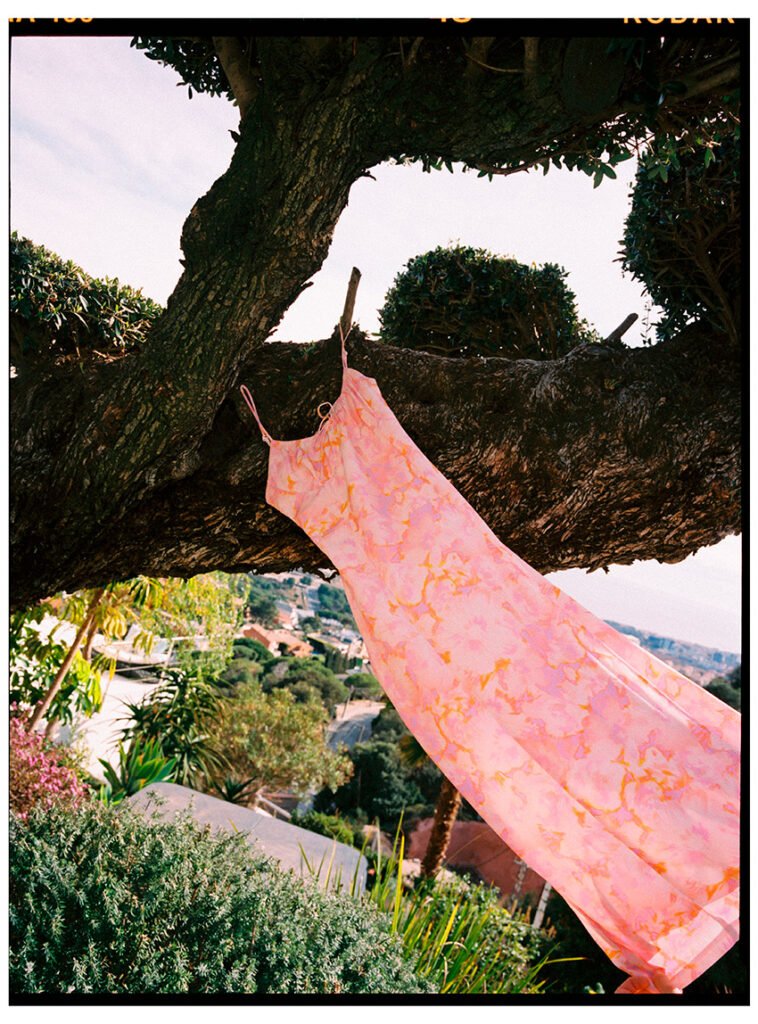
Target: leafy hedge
465,302
58,310
106,901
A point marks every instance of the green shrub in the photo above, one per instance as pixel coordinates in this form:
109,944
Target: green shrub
179,714
463,941
305,677
253,650
728,688
240,670
103,900
466,302
275,742
85,314
329,825
365,686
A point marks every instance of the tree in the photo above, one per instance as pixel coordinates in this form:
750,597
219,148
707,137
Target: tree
180,715
365,686
168,607
253,650
311,624
274,742
309,676
462,301
141,462
334,605
380,786
262,606
240,670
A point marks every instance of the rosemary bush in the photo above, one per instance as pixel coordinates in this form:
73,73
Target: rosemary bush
103,900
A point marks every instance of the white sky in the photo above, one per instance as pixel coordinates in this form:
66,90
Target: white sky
108,157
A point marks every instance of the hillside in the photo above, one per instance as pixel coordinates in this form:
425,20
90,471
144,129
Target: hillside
702,664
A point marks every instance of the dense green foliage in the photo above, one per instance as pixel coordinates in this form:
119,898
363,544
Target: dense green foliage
249,659
682,237
631,77
728,688
58,310
466,943
463,301
105,901
364,686
194,59
311,624
273,741
179,715
260,600
380,787
462,940
240,670
331,826
388,727
334,605
245,647
307,679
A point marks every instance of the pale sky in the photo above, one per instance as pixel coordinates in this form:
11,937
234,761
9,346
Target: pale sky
108,157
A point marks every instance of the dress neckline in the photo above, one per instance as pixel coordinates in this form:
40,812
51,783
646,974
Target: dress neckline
327,419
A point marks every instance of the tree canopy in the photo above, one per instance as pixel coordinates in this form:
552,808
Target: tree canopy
138,458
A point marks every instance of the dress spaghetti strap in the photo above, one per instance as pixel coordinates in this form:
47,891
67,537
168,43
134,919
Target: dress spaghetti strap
245,392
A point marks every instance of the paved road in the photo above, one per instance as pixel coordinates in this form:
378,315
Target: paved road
353,723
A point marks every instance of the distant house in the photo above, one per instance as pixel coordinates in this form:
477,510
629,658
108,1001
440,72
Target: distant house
277,641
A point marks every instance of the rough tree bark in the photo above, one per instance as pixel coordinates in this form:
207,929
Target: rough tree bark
445,812
148,464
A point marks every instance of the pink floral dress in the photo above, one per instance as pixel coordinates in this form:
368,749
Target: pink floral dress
612,775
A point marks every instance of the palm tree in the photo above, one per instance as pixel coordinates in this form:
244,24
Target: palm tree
445,811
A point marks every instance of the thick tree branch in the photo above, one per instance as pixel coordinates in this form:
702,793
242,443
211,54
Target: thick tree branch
606,455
